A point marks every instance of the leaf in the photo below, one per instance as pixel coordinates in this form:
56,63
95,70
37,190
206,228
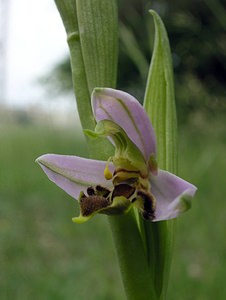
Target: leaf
159,102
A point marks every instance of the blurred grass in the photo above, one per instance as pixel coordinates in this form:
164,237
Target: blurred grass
43,255
199,266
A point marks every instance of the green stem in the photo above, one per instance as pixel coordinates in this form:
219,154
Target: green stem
137,279
67,10
161,236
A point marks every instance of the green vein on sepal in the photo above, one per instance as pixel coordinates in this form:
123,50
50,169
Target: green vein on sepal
60,171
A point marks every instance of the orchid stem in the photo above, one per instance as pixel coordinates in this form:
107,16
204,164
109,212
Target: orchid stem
137,278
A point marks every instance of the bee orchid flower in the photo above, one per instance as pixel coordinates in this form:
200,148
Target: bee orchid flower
128,179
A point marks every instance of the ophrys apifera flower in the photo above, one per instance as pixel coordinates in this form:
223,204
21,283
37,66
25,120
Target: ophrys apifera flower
128,179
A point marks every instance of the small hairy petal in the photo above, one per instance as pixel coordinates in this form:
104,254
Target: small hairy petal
173,195
74,174
129,114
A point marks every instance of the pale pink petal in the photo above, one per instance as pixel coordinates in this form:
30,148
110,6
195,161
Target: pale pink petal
129,114
173,195
74,174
